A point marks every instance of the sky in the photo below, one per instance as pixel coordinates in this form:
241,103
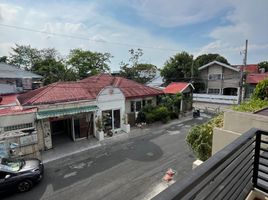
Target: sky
161,28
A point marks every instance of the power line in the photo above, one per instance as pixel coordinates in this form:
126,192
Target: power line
86,39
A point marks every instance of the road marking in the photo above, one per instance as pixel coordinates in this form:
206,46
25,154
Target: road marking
70,174
173,132
49,191
78,166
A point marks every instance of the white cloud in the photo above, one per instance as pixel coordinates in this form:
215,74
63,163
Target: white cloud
248,21
178,12
104,33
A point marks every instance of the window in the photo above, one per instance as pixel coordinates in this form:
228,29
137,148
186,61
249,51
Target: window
18,126
138,106
150,102
213,91
214,76
18,82
132,106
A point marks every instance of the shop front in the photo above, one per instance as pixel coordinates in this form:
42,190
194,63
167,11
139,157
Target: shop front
66,124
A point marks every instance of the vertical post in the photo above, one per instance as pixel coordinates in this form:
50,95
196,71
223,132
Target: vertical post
241,93
256,158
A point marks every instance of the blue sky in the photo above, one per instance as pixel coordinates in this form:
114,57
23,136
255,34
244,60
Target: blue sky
161,28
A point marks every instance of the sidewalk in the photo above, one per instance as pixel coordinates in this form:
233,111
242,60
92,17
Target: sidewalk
71,148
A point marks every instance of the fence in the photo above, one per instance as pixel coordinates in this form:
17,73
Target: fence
224,99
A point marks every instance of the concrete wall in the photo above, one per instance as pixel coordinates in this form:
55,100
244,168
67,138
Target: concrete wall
221,138
241,122
235,124
11,120
44,134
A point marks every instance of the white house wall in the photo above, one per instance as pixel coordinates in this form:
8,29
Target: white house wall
111,98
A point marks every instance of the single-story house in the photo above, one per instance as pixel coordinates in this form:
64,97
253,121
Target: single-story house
186,89
252,80
82,109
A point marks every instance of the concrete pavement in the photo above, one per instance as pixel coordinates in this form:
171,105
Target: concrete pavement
129,167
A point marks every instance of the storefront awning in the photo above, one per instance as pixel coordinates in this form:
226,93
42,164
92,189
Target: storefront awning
64,111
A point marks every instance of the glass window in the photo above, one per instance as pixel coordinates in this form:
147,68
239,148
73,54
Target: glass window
213,91
150,102
138,106
132,106
143,102
214,77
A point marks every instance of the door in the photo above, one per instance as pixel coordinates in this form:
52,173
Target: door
116,119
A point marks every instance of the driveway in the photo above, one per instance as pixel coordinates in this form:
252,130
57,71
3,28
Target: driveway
129,167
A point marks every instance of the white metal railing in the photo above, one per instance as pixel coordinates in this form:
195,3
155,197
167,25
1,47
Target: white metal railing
212,98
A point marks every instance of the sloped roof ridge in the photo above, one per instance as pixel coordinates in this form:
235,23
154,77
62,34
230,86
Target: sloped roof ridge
219,63
42,93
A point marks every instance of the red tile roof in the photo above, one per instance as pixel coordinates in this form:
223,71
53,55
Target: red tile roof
250,68
86,89
176,87
8,99
256,78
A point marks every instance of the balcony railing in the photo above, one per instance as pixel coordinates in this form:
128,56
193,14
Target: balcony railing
229,174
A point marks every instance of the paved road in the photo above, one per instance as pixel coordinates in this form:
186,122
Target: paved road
125,169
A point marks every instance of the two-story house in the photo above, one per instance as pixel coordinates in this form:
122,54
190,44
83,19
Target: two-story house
15,80
221,83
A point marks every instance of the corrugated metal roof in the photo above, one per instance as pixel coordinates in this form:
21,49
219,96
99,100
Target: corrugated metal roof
256,78
86,89
176,87
64,111
11,71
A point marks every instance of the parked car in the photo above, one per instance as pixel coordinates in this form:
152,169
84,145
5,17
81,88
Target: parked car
20,174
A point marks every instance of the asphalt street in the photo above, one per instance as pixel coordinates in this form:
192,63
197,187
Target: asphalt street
130,168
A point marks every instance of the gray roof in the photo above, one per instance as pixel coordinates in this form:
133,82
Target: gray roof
11,71
219,63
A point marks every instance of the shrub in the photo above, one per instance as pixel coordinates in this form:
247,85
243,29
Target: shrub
148,108
251,105
161,114
173,115
260,91
141,117
199,137
149,118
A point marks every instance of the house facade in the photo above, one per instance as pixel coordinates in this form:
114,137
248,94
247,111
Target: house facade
221,83
15,80
186,90
71,111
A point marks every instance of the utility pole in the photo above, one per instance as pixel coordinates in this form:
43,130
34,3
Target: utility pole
241,88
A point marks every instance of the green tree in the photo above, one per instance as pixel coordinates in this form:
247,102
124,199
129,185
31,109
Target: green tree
207,58
264,64
87,63
24,56
139,72
178,67
260,91
3,59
